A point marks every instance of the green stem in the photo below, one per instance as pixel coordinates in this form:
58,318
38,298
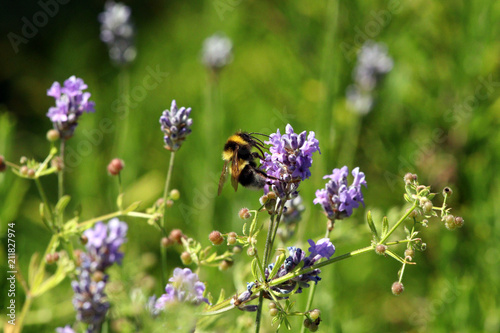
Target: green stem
163,249
20,320
399,222
46,203
61,173
310,298
60,216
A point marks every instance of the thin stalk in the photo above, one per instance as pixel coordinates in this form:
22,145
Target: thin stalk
20,320
399,222
61,173
310,298
46,203
163,249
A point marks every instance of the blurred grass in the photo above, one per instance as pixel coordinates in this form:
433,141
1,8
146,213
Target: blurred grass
289,67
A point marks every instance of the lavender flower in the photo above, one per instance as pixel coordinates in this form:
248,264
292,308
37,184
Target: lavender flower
117,31
372,65
65,329
71,102
337,198
185,286
176,125
90,300
290,159
216,52
321,249
103,244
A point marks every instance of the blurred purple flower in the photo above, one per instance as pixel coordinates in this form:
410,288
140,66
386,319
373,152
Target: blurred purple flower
117,31
217,51
176,125
103,244
290,159
65,329
71,102
90,300
184,286
337,198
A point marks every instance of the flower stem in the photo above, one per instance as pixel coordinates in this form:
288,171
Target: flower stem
165,195
310,298
48,222
20,320
399,222
61,173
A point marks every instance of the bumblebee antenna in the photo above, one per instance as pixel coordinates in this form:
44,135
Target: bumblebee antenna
259,134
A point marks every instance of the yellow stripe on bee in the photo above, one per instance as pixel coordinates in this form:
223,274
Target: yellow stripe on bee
238,139
242,164
227,155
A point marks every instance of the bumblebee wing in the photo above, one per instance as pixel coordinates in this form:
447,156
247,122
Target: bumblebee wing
223,176
235,170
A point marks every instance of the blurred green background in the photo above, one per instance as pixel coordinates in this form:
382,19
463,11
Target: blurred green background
437,115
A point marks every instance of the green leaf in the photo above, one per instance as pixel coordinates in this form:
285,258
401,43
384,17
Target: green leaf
222,296
431,196
64,266
255,269
211,257
33,268
369,219
119,201
132,207
61,204
279,261
407,198
385,226
245,229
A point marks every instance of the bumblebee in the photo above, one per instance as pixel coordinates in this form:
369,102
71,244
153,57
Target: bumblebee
239,162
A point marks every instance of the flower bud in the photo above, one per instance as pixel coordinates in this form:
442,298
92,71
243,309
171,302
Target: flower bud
408,178
237,249
380,249
175,194
98,276
427,207
272,305
251,251
31,173
3,166
263,199
170,203
459,221
176,235
115,166
225,265
78,257
409,254
216,237
57,163
53,135
23,170
307,323
447,191
244,214
397,288
49,258
273,312
231,238
314,314
186,258
166,242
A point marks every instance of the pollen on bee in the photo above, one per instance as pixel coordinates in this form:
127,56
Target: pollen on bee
227,155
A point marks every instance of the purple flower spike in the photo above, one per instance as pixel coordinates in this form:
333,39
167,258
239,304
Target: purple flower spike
71,103
338,199
117,31
104,243
184,286
290,159
176,125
